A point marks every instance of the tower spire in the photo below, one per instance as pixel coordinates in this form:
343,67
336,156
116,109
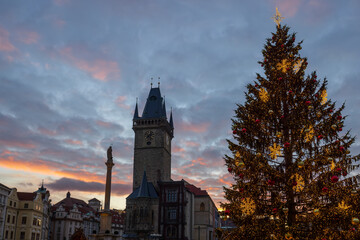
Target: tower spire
171,120
136,112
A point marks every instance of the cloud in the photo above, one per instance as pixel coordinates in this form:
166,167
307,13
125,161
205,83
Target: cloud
29,37
5,44
99,69
68,184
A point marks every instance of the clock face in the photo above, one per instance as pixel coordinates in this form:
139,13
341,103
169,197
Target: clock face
149,136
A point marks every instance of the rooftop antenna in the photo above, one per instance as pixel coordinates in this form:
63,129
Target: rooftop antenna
151,82
159,82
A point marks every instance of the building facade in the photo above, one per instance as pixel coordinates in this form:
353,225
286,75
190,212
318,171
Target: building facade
4,193
70,214
11,215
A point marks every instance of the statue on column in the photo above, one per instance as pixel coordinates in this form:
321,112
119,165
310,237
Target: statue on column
109,154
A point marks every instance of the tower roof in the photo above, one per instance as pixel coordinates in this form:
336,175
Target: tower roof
155,105
146,190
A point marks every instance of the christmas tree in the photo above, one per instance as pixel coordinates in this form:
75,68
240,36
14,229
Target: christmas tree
290,158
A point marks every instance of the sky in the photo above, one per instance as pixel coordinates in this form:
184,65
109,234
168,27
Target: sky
71,71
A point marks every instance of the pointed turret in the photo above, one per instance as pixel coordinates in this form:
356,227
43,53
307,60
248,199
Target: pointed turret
136,112
144,188
171,120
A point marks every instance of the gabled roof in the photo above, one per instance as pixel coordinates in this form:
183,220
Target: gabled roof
196,191
26,196
146,190
155,105
68,204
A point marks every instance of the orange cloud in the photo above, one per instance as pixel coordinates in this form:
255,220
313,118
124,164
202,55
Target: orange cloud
5,44
29,37
200,161
99,69
103,124
196,128
10,143
177,149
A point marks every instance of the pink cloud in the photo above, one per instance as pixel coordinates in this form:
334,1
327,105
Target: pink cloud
177,149
192,144
288,8
99,69
103,124
196,128
73,142
46,131
29,37
5,44
18,144
59,23
120,102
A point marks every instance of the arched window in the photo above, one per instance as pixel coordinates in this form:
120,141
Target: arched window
202,206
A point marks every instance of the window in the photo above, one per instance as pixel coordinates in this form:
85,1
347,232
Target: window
14,204
8,219
22,235
172,196
11,235
34,222
23,220
13,221
202,206
6,234
32,236
38,236
26,205
172,214
171,231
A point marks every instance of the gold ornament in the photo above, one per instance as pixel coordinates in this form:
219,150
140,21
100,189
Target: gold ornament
323,97
333,127
297,65
300,164
279,134
275,150
316,211
271,111
318,114
300,183
247,206
283,66
332,167
263,95
355,221
309,134
277,17
237,155
342,206
288,236
285,210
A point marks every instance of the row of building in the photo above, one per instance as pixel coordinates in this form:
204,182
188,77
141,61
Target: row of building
31,216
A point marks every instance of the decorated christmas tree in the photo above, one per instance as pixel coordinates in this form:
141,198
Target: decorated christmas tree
293,172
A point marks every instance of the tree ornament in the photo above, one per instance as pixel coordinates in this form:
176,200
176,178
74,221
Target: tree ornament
285,210
274,210
271,111
353,192
300,164
300,183
279,134
290,92
340,129
234,132
334,179
280,78
344,173
263,95
286,144
320,137
227,211
309,134
342,206
325,189
323,97
316,211
241,175
339,117
283,65
244,130
241,165
333,127
355,221
288,236
257,121
318,114
274,151
247,206
338,169
271,182
307,102
230,169
282,45
277,17
341,149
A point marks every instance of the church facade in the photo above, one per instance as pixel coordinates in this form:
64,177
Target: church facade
158,207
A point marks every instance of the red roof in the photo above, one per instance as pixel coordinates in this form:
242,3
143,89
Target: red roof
196,191
69,202
26,196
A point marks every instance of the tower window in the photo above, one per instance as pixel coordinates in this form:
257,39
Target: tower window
172,196
172,214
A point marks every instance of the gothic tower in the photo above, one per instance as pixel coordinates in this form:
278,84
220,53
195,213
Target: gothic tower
153,135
